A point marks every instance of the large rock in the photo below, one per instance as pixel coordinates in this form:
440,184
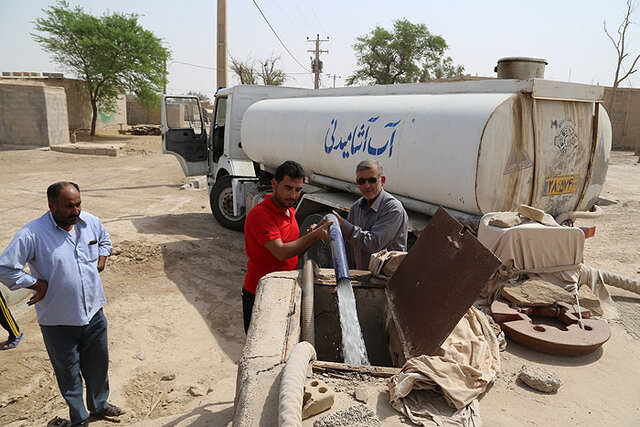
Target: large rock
536,292
539,379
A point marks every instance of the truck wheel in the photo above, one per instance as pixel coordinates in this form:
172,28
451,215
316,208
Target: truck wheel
320,251
221,201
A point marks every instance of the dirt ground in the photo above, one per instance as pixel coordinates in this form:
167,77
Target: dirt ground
174,310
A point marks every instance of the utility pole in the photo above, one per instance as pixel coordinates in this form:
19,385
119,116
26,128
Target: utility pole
334,78
221,63
316,64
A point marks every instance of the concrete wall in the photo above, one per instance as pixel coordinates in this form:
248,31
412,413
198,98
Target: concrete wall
78,103
33,115
625,117
137,115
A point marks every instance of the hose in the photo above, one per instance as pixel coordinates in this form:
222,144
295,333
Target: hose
573,215
340,263
294,375
308,328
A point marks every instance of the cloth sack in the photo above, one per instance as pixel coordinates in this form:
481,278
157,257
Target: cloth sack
461,369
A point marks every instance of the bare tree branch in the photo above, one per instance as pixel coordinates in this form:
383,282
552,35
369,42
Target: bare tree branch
620,44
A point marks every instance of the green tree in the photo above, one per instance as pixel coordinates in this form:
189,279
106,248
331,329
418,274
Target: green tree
407,54
113,54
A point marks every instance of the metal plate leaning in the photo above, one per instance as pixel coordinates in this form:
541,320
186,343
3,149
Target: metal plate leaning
437,282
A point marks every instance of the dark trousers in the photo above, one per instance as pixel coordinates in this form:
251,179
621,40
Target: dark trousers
7,320
76,350
247,307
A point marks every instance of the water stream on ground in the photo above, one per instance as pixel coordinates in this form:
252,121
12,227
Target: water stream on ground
353,348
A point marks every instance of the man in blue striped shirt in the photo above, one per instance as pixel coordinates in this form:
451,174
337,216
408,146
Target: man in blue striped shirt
66,250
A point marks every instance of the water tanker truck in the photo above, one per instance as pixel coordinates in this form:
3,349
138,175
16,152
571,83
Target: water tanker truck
472,147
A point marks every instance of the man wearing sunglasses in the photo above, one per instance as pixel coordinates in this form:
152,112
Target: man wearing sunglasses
377,220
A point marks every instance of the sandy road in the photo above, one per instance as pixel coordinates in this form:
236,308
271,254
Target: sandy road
174,311
173,290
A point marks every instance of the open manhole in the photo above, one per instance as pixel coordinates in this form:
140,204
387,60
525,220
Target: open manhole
378,328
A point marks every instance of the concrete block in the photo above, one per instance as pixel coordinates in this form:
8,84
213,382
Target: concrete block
318,397
531,213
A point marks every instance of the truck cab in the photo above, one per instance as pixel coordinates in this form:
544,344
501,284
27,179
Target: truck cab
218,154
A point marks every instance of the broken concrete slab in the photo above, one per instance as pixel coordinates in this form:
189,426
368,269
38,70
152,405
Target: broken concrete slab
537,292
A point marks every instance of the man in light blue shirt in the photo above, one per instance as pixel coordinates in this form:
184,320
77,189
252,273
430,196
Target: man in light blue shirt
66,249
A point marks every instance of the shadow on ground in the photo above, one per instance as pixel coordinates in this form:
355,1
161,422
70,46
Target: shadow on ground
202,416
208,266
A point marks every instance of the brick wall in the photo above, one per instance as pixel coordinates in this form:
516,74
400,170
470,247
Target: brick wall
137,115
33,115
78,102
625,117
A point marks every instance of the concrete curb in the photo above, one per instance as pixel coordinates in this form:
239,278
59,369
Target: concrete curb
275,321
112,150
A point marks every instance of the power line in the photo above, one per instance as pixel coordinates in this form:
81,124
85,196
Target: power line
303,15
315,16
212,68
192,65
278,37
289,18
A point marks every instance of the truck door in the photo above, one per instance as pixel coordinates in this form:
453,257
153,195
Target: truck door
184,134
217,128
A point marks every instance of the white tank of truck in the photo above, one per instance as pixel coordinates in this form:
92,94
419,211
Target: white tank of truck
471,146
472,152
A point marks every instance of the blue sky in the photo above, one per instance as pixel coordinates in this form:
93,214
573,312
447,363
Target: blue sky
568,33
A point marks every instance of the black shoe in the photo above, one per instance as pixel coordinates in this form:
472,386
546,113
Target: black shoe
111,411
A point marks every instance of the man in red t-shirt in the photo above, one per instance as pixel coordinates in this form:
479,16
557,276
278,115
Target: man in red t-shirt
271,234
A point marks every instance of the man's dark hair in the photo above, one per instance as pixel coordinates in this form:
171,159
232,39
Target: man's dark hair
53,192
289,168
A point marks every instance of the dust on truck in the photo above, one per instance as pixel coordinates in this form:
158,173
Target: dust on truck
470,146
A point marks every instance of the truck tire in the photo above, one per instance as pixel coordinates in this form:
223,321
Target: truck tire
320,251
221,201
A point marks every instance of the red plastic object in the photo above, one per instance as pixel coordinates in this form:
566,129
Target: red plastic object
589,231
